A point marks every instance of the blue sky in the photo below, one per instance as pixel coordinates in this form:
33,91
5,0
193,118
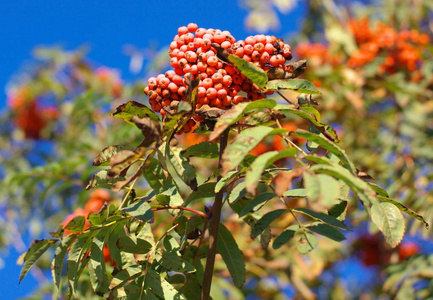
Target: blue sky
105,26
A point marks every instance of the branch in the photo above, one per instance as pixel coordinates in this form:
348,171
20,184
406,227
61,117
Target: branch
214,228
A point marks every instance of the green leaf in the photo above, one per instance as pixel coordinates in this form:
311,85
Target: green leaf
406,210
305,241
96,266
122,277
154,175
101,179
75,262
301,86
231,255
132,108
360,188
338,209
265,221
328,231
178,166
226,178
285,236
76,224
322,217
251,71
173,262
103,158
203,150
140,210
312,186
170,197
160,287
135,246
59,258
98,218
387,217
37,248
206,190
329,190
237,193
244,143
297,193
121,162
191,288
302,112
256,169
328,145
256,203
235,113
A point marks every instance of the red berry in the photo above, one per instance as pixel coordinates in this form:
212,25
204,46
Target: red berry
250,40
207,83
227,80
192,27
182,30
191,56
211,93
200,32
212,61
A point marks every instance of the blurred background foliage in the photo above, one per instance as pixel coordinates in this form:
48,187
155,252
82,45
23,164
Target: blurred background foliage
373,63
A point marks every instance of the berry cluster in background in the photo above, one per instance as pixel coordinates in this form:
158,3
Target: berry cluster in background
400,49
29,115
98,198
193,56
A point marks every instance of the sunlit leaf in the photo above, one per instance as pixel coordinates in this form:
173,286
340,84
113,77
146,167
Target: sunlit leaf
251,71
256,169
305,241
173,262
140,210
234,114
328,145
132,108
244,143
387,217
297,85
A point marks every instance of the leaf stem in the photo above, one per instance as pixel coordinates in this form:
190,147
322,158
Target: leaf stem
197,212
214,228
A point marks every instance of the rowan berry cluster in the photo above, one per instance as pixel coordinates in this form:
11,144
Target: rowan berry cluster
402,50
193,53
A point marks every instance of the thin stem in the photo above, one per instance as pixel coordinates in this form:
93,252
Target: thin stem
129,192
214,228
289,141
200,213
284,97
